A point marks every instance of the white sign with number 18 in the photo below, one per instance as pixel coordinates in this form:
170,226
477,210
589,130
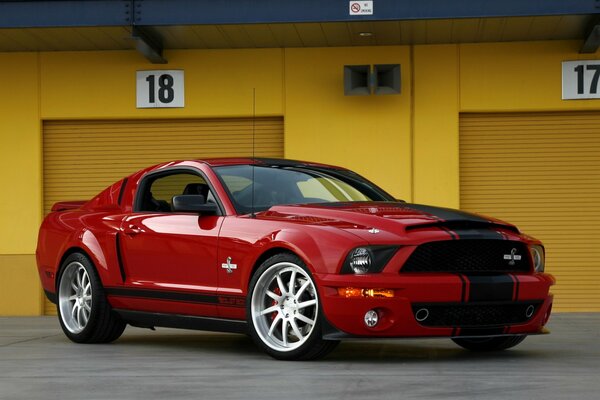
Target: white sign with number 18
160,89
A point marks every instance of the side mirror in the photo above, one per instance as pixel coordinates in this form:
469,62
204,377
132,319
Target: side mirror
193,203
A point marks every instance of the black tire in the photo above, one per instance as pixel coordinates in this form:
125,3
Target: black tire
102,324
489,344
309,347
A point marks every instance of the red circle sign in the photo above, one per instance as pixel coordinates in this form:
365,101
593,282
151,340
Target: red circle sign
355,7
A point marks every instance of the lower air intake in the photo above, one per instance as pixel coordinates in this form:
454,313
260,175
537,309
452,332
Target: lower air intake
474,315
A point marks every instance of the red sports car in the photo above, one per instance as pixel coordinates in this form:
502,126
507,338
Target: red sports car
296,254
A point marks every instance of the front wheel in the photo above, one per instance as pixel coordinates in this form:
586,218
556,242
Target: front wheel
83,311
490,343
283,309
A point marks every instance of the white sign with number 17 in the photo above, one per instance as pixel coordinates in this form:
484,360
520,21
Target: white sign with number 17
160,89
580,79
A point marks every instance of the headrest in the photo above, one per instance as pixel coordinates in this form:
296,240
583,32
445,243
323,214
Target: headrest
196,188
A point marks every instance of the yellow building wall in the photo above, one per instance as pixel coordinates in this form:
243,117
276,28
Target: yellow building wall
20,173
406,143
368,134
435,130
522,76
218,83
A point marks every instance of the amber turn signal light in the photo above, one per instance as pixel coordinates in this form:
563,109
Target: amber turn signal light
356,292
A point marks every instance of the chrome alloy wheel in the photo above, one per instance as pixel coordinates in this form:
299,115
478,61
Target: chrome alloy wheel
284,306
75,297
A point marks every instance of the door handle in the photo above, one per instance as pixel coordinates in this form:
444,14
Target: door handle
132,230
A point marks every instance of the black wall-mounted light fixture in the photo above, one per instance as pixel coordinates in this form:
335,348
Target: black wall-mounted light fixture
379,79
357,80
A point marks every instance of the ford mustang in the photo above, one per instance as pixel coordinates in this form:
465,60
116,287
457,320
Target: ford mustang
297,255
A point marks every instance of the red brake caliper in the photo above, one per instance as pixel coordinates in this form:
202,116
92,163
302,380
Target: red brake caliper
277,291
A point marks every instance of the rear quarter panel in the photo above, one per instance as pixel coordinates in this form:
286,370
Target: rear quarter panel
91,229
91,233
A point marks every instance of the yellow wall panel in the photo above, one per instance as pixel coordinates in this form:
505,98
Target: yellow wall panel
435,147
521,76
83,157
20,153
20,289
218,83
369,134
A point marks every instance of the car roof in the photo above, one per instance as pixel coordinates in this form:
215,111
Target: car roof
219,162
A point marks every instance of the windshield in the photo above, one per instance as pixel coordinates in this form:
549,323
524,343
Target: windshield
275,185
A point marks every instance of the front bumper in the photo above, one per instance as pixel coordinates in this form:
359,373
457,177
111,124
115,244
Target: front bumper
484,295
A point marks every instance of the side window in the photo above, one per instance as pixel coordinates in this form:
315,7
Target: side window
157,195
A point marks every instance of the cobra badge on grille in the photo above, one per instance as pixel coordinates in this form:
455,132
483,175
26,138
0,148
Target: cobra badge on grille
512,257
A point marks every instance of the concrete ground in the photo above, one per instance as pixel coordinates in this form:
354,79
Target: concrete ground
38,362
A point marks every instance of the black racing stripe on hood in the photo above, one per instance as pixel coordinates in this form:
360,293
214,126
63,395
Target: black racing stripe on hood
447,214
478,234
452,217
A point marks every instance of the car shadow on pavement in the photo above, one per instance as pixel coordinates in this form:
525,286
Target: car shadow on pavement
203,342
422,351
348,351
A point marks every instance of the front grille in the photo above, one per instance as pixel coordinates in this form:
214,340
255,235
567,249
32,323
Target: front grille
469,256
474,315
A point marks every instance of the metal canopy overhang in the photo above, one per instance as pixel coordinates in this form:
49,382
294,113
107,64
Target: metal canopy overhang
150,25
31,14
43,14
183,12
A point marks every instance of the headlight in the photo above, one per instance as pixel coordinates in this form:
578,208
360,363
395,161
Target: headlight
367,259
360,260
537,255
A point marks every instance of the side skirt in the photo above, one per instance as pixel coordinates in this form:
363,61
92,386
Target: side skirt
144,319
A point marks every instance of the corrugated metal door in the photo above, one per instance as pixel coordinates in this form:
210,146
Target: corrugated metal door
83,157
541,171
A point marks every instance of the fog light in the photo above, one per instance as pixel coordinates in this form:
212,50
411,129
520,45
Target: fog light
529,311
422,314
371,318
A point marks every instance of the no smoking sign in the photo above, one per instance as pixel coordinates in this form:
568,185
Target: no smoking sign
361,8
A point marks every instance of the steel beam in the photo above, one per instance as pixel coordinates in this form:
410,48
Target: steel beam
149,44
592,37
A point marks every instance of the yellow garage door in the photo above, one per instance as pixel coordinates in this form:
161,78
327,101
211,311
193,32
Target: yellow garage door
83,157
541,171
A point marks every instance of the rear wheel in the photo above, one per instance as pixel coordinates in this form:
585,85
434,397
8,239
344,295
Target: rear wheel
490,343
83,311
284,313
